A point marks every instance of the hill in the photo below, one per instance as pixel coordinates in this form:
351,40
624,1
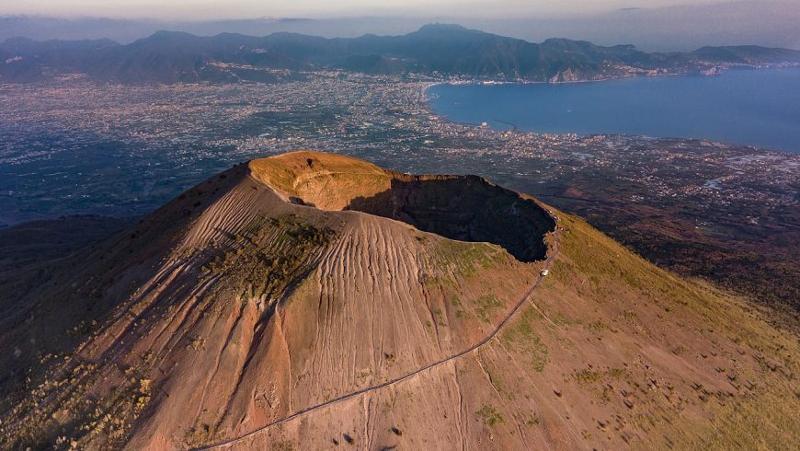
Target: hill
311,300
434,50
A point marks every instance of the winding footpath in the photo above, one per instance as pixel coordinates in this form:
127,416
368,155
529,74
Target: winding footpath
552,252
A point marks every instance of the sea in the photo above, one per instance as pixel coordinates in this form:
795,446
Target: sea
760,108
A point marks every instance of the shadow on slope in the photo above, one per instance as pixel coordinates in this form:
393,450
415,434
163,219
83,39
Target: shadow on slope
466,209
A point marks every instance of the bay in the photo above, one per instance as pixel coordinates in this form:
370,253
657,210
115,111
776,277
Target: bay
751,107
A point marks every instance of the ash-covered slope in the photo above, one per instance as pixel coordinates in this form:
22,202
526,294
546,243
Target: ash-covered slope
315,301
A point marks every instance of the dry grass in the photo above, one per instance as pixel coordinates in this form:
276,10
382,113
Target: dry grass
465,259
490,415
603,273
269,255
521,336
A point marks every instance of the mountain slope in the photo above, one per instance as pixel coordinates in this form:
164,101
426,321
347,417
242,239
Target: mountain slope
435,50
311,300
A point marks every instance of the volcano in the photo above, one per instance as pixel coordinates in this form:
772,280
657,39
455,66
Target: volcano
317,301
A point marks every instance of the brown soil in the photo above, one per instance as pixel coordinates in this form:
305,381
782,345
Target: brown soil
259,310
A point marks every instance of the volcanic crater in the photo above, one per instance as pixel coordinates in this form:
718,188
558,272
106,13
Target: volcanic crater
464,208
299,302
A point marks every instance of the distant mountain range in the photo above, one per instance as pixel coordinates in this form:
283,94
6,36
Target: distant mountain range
651,28
433,50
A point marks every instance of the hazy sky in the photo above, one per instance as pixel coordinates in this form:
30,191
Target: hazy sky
207,9
662,25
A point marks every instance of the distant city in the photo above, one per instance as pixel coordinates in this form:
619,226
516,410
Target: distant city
188,131
74,146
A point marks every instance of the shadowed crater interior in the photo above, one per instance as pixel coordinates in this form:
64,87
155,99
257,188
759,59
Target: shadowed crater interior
465,208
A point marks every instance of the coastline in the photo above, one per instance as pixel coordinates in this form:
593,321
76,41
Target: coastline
429,98
716,72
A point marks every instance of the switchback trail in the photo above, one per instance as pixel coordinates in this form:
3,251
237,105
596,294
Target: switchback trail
546,266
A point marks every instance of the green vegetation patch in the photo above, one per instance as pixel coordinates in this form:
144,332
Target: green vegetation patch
269,254
486,305
591,376
768,421
489,415
588,376
466,259
522,337
459,308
